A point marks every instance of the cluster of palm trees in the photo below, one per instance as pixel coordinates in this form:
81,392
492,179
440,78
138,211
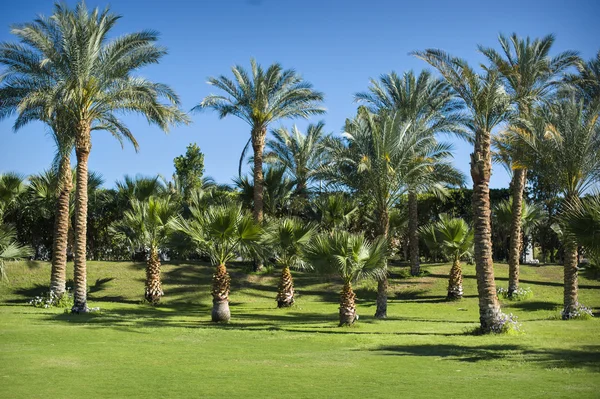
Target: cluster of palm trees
523,109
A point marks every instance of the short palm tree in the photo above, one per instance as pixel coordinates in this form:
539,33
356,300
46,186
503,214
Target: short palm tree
12,186
288,238
139,187
430,106
260,98
92,80
10,249
300,154
581,219
566,136
487,105
277,191
454,238
222,232
148,224
334,211
530,75
372,159
353,258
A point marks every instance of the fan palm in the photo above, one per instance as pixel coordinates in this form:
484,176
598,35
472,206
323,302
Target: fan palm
92,80
454,238
222,232
260,98
10,249
139,187
581,219
566,136
335,211
300,155
12,186
288,238
148,224
353,258
277,189
529,74
373,159
431,107
487,105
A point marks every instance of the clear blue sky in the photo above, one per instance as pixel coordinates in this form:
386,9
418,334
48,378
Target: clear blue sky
336,45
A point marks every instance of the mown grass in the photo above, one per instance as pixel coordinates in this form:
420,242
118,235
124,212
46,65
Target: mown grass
424,349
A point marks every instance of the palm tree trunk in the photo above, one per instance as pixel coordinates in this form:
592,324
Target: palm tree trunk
382,284
285,291
153,286
347,306
259,135
481,170
571,287
515,244
413,232
455,289
220,294
58,276
83,146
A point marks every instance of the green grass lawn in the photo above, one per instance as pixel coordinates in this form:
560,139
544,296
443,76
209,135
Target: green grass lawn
425,348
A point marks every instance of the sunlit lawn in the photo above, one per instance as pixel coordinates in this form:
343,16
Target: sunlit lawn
424,349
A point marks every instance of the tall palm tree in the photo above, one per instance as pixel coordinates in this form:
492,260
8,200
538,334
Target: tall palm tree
300,154
222,232
353,258
566,135
430,106
529,74
148,224
91,78
374,160
454,238
288,238
587,80
488,105
10,249
260,98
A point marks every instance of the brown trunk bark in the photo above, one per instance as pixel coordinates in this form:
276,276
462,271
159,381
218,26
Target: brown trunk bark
58,275
571,285
347,306
285,291
259,135
83,146
382,285
413,232
455,290
515,243
220,294
481,170
154,290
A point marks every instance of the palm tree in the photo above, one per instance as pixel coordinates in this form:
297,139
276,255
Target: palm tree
222,232
300,155
140,187
581,219
261,98
488,105
454,238
431,107
10,249
374,160
353,258
277,191
148,224
587,81
566,135
334,211
529,75
12,186
92,80
288,238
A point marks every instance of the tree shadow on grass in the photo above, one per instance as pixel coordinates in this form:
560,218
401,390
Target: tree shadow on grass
546,283
533,306
586,357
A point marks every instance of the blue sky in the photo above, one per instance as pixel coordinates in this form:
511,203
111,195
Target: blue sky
336,45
